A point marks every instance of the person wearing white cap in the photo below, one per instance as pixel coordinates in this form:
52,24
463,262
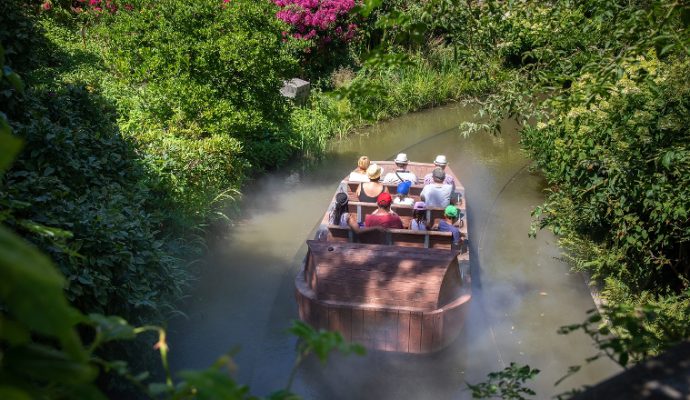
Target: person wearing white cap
401,173
440,162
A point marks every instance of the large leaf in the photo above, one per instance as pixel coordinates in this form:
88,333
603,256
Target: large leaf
46,364
31,289
112,327
9,145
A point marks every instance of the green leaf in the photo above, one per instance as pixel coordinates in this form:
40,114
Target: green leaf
46,364
367,7
13,78
45,231
13,393
14,333
31,289
112,327
9,145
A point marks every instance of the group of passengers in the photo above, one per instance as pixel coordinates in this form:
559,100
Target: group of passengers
439,191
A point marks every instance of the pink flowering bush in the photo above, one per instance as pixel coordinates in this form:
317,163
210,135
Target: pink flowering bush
323,21
92,7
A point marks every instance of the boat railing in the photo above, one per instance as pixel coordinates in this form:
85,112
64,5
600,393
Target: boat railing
350,189
396,237
433,214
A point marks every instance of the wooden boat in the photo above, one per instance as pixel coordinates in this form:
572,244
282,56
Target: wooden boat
399,290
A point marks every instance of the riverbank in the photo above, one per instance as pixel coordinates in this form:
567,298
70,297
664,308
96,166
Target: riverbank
146,155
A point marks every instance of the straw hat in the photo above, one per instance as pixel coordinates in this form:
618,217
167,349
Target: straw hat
374,171
441,160
401,159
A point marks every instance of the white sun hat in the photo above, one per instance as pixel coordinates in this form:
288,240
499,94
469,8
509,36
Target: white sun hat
440,160
401,159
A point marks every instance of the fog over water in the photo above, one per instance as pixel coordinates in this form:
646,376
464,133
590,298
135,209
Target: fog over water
522,292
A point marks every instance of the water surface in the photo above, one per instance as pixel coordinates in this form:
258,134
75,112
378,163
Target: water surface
522,291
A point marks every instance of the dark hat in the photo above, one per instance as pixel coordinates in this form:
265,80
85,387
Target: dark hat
384,199
438,174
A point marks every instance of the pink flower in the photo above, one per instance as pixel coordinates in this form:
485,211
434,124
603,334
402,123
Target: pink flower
47,6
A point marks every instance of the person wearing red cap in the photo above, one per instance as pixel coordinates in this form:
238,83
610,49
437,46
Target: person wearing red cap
383,216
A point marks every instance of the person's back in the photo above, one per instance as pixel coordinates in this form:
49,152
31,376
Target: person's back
447,224
418,221
339,215
360,173
401,197
383,216
437,194
368,191
401,174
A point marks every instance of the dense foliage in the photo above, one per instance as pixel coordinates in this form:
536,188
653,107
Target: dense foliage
78,191
601,90
140,118
198,91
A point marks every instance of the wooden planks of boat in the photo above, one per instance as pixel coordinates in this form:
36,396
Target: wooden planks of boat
399,290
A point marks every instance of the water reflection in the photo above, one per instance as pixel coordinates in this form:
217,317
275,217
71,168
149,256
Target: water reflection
523,292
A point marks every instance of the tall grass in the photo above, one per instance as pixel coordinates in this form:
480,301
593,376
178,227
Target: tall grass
428,81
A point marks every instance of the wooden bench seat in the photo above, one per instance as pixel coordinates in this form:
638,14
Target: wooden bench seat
415,191
394,237
361,210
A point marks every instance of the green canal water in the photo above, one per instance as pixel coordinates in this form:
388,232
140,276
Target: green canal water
522,291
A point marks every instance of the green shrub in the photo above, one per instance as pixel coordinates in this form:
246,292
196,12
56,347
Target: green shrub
79,190
204,68
622,168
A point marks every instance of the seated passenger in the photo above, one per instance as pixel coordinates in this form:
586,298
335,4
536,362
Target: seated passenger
360,174
437,194
402,194
418,221
401,173
383,216
440,162
339,216
447,224
368,192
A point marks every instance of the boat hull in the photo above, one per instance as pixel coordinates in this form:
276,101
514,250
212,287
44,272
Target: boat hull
384,328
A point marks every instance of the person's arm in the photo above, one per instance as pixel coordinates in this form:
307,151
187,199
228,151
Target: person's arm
352,223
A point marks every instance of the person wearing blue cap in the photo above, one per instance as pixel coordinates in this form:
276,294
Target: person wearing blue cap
402,197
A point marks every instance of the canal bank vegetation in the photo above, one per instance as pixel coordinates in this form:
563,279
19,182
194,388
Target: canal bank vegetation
139,119
600,92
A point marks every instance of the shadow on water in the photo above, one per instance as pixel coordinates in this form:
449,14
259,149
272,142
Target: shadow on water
522,291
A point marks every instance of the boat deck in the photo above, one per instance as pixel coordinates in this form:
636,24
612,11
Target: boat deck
394,290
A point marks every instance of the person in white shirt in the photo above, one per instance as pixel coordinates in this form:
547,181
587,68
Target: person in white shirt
437,194
401,174
402,193
360,174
